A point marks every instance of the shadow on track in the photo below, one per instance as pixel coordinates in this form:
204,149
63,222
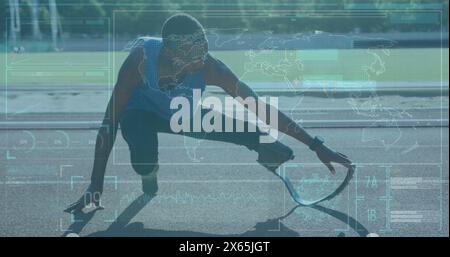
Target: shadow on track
272,227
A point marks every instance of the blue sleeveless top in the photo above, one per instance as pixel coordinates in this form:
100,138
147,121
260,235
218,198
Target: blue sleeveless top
147,95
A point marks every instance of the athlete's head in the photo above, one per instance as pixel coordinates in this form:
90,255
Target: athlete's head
185,38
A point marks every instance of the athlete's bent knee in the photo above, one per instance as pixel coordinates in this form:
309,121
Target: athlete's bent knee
145,168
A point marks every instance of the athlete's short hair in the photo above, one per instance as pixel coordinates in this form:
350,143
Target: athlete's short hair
180,24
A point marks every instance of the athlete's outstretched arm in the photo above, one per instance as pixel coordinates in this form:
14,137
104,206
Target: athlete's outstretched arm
220,75
128,77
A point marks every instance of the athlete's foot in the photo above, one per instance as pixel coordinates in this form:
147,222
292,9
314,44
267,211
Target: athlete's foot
273,155
150,183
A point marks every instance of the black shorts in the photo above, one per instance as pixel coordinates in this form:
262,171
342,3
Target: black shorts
140,129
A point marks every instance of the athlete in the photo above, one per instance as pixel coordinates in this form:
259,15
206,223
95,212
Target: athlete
156,71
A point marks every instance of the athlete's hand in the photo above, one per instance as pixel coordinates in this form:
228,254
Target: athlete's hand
327,155
91,196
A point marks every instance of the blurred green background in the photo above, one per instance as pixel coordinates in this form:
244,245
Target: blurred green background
380,18
88,68
62,42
